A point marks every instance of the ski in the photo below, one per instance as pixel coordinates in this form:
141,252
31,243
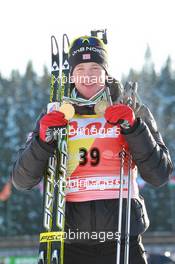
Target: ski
51,250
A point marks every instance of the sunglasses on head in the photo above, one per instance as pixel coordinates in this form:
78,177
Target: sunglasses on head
91,41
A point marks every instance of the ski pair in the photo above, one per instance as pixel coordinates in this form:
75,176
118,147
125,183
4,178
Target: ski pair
51,249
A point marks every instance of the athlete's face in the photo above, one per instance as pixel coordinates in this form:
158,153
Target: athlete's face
89,78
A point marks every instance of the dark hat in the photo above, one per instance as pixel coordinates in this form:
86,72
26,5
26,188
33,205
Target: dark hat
87,49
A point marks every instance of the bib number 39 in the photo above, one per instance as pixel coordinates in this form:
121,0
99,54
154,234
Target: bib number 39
93,157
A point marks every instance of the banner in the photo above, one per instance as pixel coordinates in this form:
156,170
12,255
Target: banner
18,260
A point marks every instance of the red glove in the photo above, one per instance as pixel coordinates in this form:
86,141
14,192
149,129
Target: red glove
120,114
48,122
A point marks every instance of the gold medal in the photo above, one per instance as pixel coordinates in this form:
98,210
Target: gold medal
68,110
100,107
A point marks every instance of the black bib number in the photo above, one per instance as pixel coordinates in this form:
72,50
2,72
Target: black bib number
94,156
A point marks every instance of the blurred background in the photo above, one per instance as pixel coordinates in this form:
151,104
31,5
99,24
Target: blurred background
141,48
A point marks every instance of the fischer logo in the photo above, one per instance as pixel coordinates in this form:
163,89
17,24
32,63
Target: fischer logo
87,49
51,236
62,181
49,193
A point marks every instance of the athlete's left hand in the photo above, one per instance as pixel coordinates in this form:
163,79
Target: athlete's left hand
120,114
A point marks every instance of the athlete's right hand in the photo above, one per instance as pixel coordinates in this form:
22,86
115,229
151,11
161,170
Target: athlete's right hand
48,123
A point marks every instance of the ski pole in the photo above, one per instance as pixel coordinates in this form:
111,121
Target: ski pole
122,155
128,212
